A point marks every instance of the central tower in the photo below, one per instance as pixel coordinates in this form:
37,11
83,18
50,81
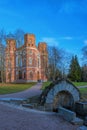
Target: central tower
33,68
29,40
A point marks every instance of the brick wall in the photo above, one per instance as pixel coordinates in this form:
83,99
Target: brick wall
27,63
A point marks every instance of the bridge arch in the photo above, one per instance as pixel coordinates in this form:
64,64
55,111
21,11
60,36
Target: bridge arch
62,93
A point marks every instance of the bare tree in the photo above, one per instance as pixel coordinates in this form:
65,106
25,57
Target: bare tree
65,63
84,63
10,35
84,73
2,63
54,57
2,55
19,37
84,53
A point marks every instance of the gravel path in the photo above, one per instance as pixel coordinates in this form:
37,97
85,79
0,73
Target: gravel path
16,119
35,90
19,118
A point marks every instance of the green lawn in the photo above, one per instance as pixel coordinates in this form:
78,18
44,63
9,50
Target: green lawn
45,84
83,92
13,88
80,83
77,84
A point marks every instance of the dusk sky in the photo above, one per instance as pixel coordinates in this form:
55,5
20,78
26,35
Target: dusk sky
62,23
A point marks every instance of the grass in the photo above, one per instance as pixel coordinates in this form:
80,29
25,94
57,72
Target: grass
13,88
83,92
80,83
77,84
46,84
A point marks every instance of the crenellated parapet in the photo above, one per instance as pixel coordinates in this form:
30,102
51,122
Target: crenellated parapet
11,43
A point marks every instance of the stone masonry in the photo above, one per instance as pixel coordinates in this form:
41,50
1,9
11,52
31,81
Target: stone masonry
60,93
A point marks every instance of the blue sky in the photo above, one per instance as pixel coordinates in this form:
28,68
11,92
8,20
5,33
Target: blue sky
62,23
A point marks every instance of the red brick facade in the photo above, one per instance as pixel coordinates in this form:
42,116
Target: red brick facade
27,63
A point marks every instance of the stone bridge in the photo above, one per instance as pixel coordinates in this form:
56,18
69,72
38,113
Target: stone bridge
60,93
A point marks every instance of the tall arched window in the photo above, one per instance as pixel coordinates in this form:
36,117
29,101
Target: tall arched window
30,60
19,61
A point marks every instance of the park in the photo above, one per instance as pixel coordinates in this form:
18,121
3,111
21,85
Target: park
43,65
44,80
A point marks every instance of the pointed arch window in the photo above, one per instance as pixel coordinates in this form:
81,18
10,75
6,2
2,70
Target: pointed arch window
30,60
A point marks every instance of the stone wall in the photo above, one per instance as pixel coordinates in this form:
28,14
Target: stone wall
60,93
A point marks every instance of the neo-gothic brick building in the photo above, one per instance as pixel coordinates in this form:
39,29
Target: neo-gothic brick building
27,63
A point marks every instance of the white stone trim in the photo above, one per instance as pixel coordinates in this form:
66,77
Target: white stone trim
63,87
33,48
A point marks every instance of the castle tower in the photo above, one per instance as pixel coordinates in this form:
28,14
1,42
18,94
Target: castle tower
29,40
27,63
32,59
42,47
10,60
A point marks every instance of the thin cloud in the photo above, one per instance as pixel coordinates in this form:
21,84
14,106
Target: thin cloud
67,8
50,41
73,6
67,38
85,42
71,38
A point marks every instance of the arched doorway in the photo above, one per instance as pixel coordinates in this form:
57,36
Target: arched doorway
24,75
64,99
20,74
9,77
38,78
31,76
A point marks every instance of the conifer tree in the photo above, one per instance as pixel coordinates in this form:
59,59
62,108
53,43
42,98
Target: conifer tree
75,70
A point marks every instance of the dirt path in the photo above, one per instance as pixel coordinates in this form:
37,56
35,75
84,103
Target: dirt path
16,119
35,90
